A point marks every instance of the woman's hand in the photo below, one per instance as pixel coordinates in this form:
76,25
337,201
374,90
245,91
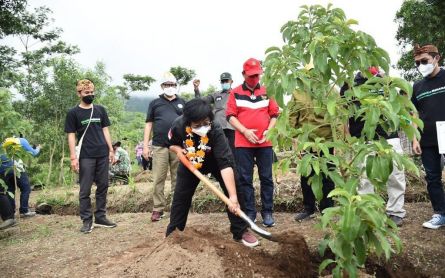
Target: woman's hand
235,205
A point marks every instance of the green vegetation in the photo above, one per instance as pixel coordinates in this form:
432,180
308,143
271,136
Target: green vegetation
358,225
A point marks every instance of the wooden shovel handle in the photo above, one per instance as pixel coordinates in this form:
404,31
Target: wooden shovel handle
200,176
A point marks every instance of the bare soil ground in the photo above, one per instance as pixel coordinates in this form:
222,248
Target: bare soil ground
52,246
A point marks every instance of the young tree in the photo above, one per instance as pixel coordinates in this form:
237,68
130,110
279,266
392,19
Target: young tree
419,22
358,224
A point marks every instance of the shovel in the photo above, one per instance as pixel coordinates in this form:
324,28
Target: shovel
218,193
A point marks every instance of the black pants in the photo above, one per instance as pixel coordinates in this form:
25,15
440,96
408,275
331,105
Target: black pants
93,170
431,160
6,211
309,197
186,184
308,194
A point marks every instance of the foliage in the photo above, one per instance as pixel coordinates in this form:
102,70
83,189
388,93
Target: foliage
10,12
138,104
183,75
137,82
358,224
419,21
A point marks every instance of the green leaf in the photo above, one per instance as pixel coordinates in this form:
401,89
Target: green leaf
324,264
331,105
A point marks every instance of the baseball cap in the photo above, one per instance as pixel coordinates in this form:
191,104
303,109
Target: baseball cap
252,66
168,77
225,76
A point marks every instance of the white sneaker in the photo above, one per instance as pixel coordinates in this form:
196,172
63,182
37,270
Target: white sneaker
28,214
436,222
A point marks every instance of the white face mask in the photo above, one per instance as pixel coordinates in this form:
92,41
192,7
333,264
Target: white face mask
201,131
170,91
425,70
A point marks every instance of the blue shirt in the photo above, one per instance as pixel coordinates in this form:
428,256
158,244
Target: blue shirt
7,163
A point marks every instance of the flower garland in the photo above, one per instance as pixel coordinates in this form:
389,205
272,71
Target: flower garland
196,157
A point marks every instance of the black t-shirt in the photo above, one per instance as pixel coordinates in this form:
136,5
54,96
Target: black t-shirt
429,99
94,144
162,112
219,151
356,125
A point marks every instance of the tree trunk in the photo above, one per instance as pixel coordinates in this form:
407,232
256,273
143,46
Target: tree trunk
50,167
61,173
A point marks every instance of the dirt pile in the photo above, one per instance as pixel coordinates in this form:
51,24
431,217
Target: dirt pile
203,252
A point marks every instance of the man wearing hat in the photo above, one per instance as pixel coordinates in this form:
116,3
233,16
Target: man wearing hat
219,101
90,124
429,99
160,116
252,114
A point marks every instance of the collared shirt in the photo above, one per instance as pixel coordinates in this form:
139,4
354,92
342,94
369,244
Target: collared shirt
162,112
254,110
219,101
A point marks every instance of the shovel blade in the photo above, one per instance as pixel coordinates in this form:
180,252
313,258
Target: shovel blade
254,227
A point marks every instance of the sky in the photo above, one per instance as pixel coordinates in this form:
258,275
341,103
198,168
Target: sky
210,37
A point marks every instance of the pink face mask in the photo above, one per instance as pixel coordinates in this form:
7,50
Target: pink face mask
252,81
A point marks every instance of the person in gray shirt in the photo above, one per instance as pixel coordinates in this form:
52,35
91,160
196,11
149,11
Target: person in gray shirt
219,101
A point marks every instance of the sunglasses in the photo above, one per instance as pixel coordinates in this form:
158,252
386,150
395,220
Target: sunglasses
422,61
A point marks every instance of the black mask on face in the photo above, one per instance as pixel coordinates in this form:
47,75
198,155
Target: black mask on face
88,99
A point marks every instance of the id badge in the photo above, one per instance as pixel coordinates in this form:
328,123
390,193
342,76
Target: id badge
440,128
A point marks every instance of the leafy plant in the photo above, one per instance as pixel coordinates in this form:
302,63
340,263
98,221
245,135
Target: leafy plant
325,38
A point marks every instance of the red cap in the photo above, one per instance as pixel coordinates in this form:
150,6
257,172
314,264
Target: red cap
252,66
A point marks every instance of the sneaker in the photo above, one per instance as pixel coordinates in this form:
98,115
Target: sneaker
8,223
397,220
28,214
268,220
87,226
249,239
304,215
436,222
104,222
156,216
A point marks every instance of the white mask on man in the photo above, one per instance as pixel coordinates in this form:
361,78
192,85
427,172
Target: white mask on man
170,91
426,70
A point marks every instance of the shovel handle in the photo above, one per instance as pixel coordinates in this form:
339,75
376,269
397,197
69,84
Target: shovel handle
197,173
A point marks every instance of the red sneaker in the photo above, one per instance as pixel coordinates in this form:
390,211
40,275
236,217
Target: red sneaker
156,216
249,239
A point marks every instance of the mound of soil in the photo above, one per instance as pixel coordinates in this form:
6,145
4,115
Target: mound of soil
198,252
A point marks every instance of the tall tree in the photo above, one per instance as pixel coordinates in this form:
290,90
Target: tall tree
422,22
135,83
183,75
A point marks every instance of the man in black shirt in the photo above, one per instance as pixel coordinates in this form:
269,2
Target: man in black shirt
95,155
429,99
160,116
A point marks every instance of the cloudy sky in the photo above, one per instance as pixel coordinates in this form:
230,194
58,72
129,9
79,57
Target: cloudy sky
148,37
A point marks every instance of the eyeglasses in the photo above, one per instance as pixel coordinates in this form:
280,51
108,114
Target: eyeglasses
169,85
422,61
201,124
225,81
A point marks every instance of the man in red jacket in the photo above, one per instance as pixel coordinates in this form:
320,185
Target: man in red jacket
252,114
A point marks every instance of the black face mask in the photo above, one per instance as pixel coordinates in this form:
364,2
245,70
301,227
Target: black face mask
88,99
